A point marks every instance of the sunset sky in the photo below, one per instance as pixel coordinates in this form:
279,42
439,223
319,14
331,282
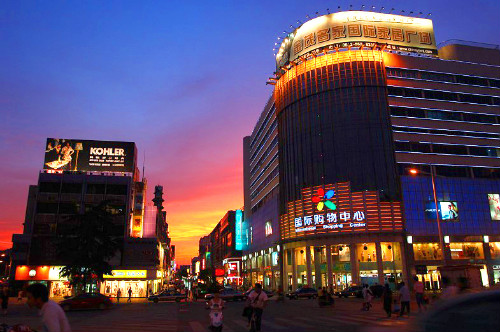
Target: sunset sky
184,80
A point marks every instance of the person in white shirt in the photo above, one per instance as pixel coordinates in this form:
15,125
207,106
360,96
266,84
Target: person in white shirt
53,317
404,298
257,299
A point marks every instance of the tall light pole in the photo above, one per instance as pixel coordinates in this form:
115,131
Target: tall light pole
414,171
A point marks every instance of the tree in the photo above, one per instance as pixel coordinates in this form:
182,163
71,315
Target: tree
86,244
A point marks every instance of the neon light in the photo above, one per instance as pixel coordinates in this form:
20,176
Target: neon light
238,231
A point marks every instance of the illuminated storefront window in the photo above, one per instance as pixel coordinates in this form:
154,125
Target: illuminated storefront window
366,252
495,250
301,266
341,267
427,251
367,258
392,262
467,250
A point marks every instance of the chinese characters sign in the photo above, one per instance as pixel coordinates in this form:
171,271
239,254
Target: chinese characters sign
347,212
357,28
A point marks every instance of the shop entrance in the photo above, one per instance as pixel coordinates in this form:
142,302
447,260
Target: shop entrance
341,281
60,289
139,288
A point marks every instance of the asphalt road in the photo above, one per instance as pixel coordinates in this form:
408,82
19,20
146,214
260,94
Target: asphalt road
296,315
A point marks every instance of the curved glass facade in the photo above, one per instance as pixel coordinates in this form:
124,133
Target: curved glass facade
334,125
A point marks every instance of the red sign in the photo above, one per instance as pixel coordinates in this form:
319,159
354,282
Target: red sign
219,272
24,272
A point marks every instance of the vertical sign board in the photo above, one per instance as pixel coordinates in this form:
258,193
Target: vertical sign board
238,231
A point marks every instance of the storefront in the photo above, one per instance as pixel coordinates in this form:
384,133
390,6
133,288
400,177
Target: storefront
262,267
336,238
141,282
47,275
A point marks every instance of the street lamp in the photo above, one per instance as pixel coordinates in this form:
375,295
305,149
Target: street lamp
414,171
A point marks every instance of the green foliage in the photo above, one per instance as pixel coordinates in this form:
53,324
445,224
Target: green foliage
87,246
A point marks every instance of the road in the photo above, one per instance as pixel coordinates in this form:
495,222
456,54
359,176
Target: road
297,315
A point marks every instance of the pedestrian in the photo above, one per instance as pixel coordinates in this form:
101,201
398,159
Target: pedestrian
418,288
367,296
5,299
20,296
404,298
216,304
129,295
257,300
53,317
387,296
118,295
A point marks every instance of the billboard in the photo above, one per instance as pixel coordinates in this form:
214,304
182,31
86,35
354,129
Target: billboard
494,203
334,208
357,28
82,155
448,210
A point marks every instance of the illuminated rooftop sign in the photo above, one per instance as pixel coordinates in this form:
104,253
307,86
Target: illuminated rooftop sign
347,212
358,28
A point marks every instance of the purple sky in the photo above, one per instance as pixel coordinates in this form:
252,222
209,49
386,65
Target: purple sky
184,81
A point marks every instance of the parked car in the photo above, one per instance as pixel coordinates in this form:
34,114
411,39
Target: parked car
268,293
86,301
351,291
228,294
303,292
168,295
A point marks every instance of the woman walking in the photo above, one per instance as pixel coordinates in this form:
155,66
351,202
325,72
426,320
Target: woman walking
387,300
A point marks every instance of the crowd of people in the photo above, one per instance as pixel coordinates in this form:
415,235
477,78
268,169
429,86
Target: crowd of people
394,302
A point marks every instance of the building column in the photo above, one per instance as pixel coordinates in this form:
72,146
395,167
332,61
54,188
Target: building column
294,270
329,265
308,266
317,267
406,258
356,280
489,263
380,263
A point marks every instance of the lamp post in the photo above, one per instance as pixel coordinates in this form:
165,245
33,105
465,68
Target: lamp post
414,171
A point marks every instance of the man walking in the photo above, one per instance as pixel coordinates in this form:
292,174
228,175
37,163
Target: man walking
257,300
53,317
404,297
129,295
418,288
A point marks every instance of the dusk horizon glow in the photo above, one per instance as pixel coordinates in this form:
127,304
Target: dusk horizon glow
185,83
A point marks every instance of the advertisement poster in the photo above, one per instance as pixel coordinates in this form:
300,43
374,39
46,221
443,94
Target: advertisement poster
448,211
82,155
494,202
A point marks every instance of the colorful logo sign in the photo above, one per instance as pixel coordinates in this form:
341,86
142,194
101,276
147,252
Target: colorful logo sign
323,199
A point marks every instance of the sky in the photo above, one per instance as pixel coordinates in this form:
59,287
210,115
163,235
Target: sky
185,80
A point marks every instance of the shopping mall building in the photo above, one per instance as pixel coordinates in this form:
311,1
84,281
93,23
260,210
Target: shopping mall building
359,100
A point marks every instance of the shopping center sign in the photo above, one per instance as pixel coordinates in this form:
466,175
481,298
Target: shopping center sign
334,208
358,28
